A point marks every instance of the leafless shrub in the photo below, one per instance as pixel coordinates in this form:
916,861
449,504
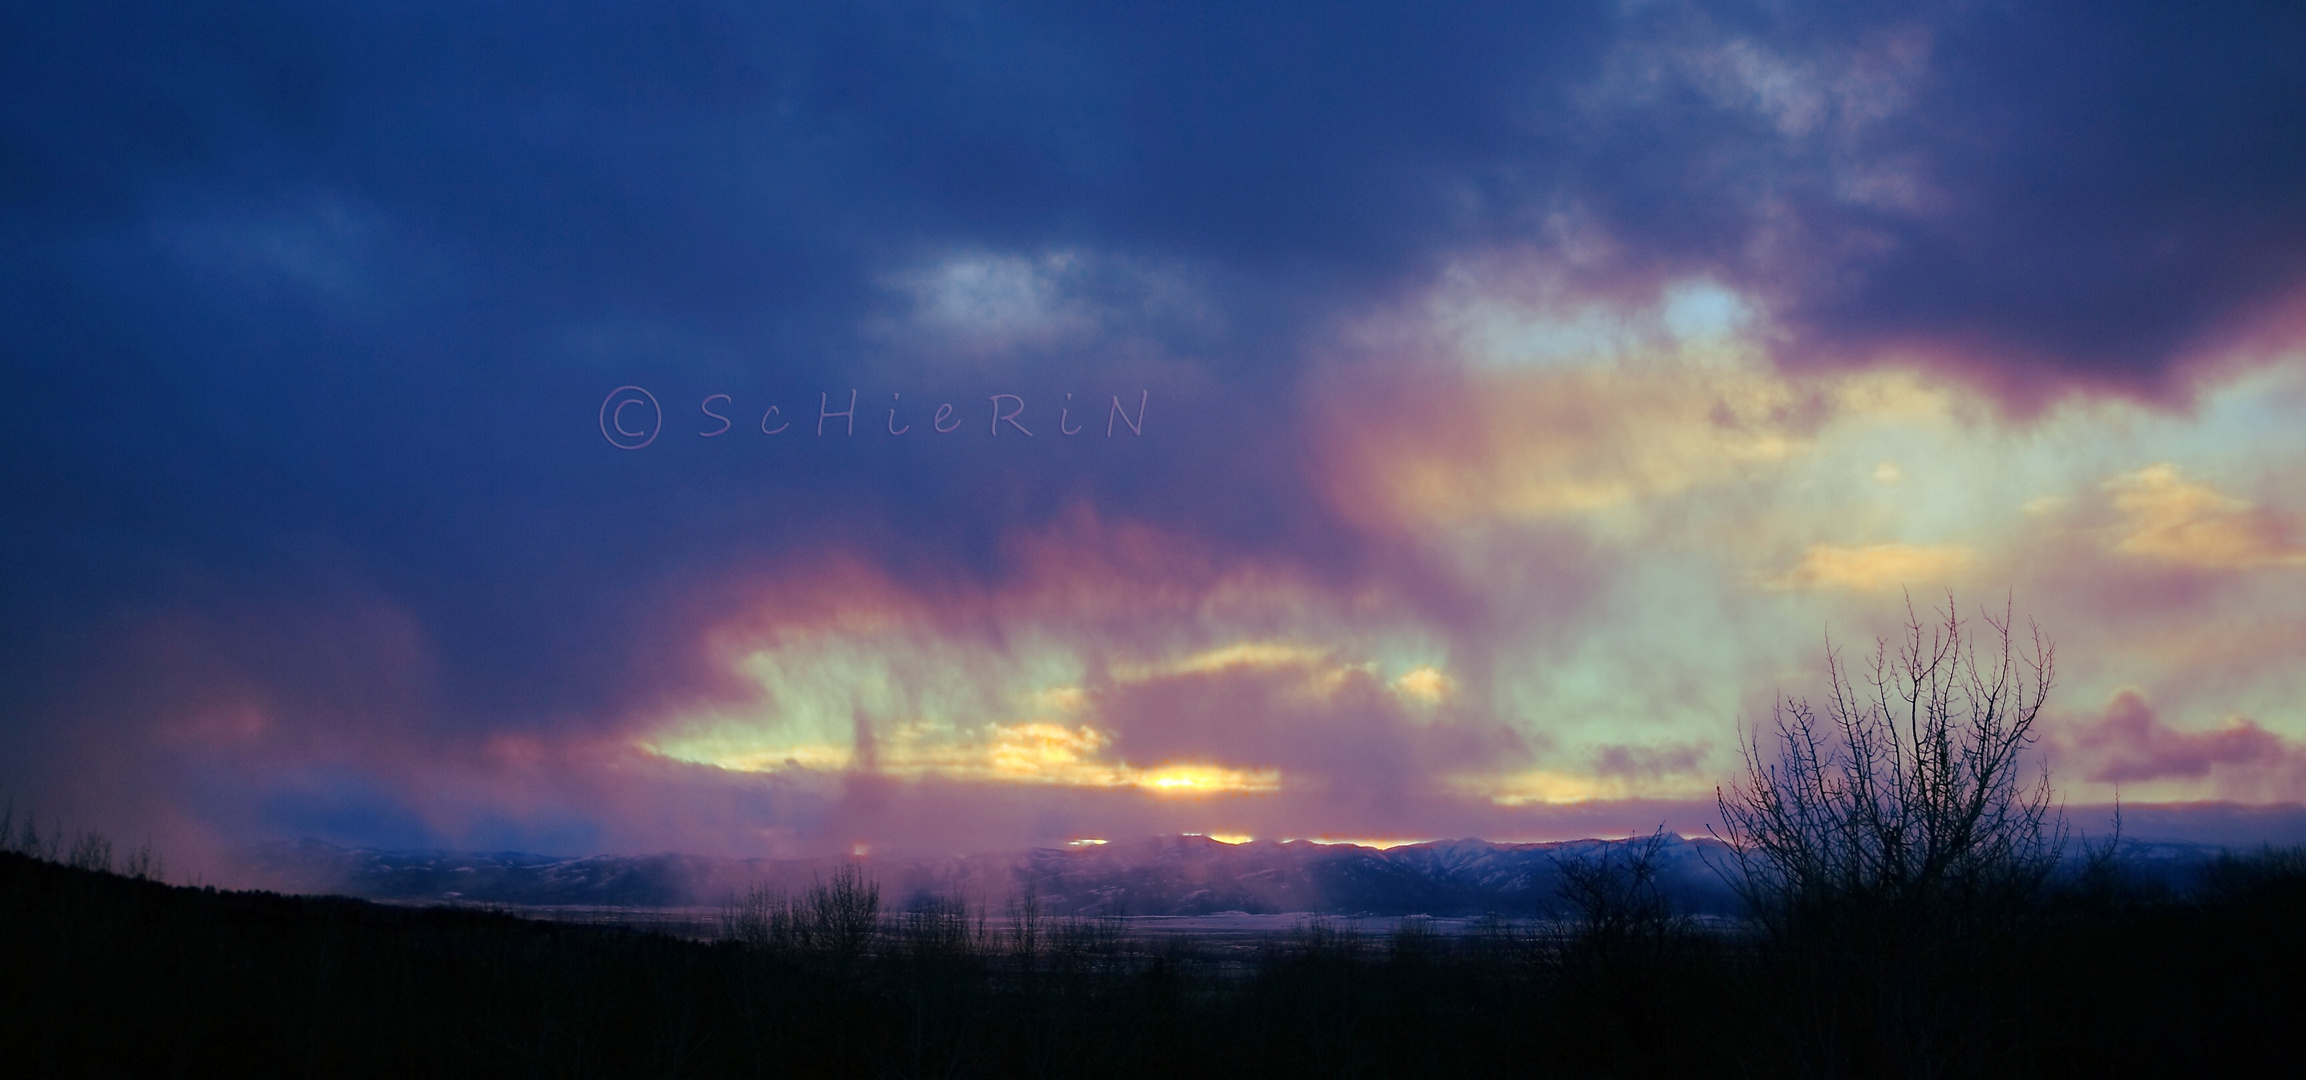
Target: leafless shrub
1086,944
26,839
1613,894
1415,941
1026,932
2099,883
1509,941
1623,936
844,912
943,928
143,864
93,851
2271,876
759,918
1322,938
833,920
1621,946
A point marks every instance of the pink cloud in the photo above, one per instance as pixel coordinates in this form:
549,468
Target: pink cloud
2129,742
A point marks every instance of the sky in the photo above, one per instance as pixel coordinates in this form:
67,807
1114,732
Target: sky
789,429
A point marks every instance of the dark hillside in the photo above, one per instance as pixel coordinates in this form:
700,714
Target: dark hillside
102,975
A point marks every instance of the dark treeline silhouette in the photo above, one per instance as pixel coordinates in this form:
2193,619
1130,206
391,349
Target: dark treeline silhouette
104,974
1914,909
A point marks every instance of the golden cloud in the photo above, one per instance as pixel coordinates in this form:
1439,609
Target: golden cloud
1875,566
1244,654
1425,684
1528,445
1022,753
1553,787
1467,443
2177,520
858,675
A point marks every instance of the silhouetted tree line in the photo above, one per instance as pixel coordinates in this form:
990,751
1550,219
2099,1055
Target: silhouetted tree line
1916,911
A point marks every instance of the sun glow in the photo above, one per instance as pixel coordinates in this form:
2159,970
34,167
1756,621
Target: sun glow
1379,844
1208,780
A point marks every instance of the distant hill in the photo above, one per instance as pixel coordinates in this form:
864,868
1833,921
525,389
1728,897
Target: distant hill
1171,875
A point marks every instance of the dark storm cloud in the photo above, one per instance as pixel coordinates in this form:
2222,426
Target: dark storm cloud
2107,188
328,293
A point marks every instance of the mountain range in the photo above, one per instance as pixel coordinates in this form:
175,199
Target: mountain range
1166,875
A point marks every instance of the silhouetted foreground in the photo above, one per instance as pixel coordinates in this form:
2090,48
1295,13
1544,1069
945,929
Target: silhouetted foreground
105,975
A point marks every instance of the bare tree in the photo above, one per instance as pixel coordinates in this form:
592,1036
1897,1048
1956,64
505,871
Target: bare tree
1909,793
1892,848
